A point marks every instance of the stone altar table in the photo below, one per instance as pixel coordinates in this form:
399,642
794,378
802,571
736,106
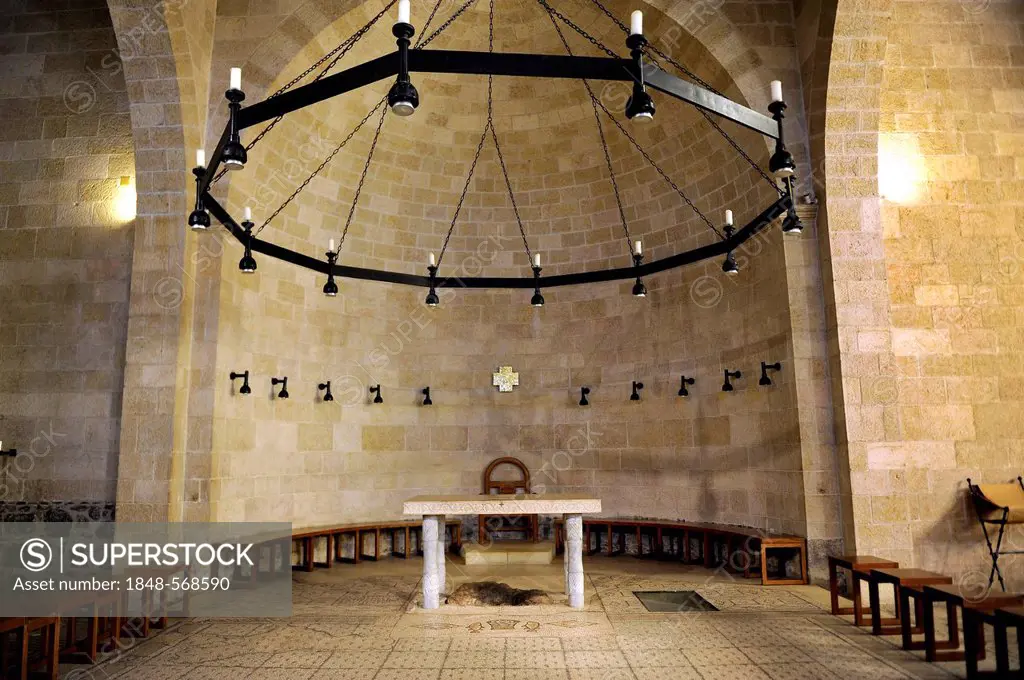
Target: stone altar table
434,508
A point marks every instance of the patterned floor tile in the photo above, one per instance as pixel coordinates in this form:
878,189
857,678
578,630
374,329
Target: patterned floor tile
472,674
775,654
298,659
798,671
415,660
483,659
722,656
533,644
595,659
357,658
408,674
353,623
733,672
534,659
536,674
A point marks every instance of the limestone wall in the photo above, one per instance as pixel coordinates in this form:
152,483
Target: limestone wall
66,234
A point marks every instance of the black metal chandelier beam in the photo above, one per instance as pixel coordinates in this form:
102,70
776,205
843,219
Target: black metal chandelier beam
403,99
495,64
758,224
504,64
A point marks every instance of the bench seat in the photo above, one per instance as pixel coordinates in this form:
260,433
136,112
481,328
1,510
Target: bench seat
744,548
333,534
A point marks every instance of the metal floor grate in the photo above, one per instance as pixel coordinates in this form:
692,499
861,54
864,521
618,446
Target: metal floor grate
674,601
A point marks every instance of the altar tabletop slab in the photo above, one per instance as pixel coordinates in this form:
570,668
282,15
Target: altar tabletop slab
498,504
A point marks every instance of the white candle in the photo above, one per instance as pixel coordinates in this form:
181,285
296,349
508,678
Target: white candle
201,158
639,250
236,79
636,23
536,259
330,245
403,11
248,214
728,218
777,91
433,260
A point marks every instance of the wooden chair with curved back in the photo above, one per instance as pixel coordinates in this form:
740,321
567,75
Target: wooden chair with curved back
502,486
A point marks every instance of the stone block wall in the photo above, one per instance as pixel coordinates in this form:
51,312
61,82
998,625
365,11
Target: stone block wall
66,238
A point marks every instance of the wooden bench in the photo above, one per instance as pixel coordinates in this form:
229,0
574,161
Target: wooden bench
859,566
1000,620
334,534
745,550
952,596
49,629
907,584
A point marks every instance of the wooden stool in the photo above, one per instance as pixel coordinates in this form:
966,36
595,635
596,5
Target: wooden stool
1001,619
858,566
955,601
902,580
49,628
12,625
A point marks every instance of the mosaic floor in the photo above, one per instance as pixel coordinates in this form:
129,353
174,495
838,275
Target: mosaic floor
360,622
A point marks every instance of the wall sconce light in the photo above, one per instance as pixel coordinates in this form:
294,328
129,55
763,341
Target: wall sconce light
127,199
283,382
427,401
637,386
244,389
326,386
727,386
584,391
765,380
378,399
13,453
683,382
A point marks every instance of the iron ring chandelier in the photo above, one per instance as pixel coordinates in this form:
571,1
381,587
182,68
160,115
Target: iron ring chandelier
641,69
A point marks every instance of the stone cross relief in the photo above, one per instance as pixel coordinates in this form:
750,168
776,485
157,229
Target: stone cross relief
505,379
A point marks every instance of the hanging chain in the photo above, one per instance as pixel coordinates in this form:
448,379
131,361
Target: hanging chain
462,198
568,22
344,48
440,29
430,20
323,165
661,172
362,177
338,53
512,197
604,141
651,47
479,147
498,147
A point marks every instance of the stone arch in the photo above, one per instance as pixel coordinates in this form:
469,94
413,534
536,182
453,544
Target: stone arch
163,68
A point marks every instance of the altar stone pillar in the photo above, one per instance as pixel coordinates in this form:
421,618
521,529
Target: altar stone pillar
442,554
430,562
574,560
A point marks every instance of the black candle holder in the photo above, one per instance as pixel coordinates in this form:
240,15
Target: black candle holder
683,382
584,391
283,382
765,380
326,386
637,386
727,385
376,390
427,401
244,389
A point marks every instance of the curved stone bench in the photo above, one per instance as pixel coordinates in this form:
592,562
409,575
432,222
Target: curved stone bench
334,536
737,549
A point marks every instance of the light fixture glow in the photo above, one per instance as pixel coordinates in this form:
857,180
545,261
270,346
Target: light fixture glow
126,202
901,168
